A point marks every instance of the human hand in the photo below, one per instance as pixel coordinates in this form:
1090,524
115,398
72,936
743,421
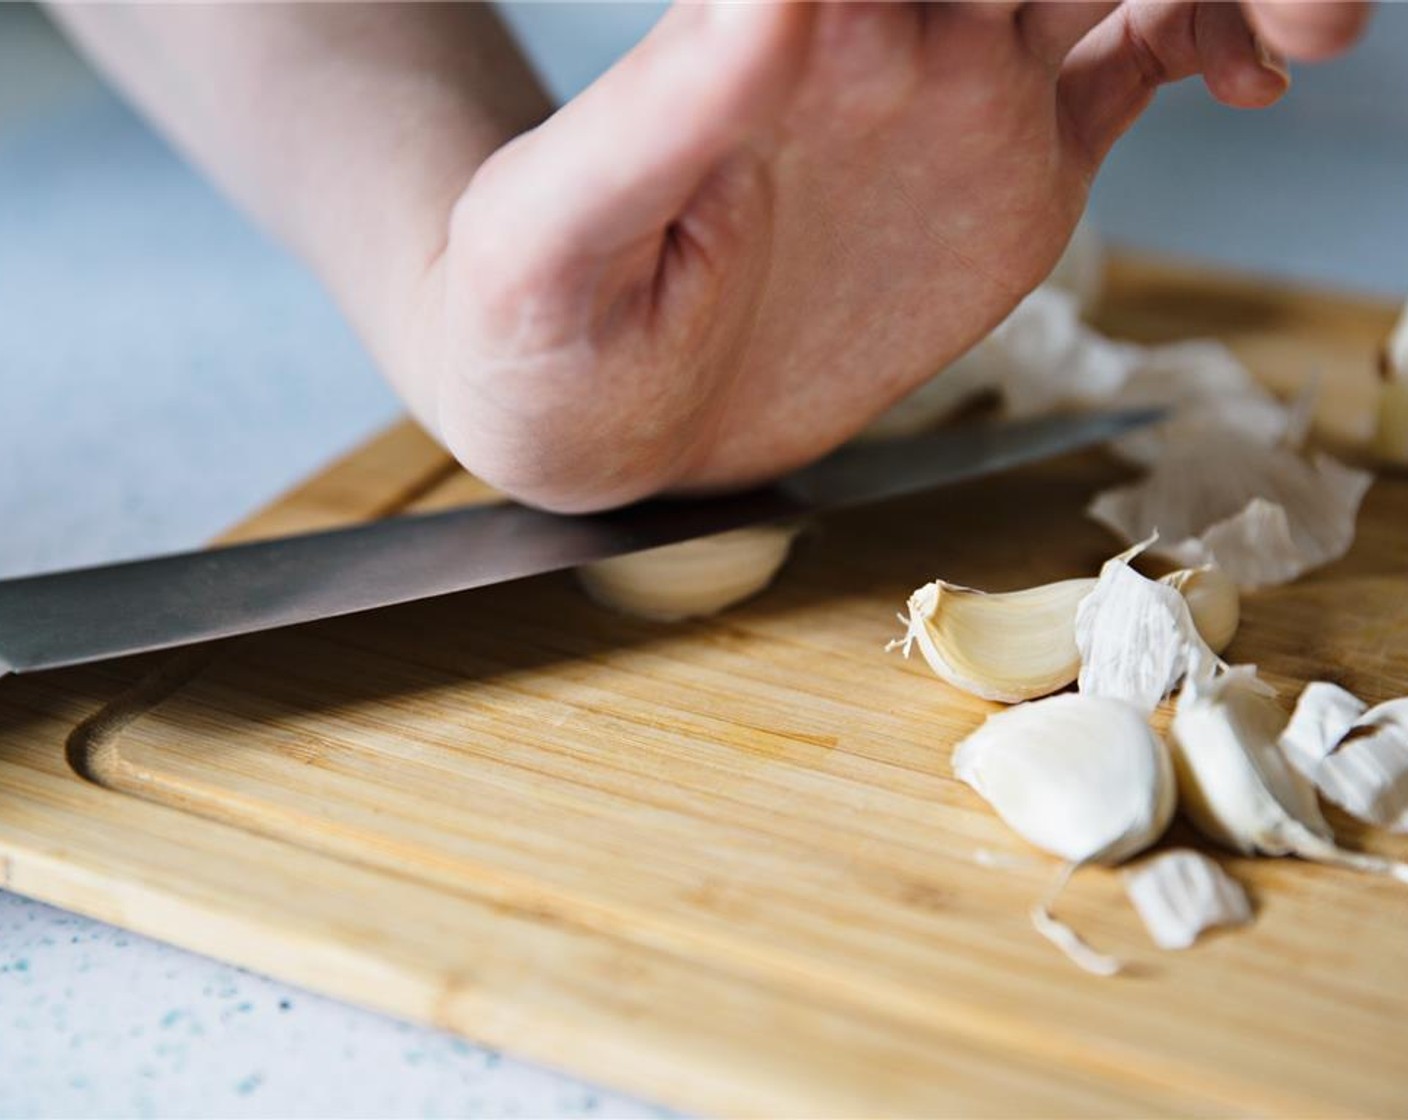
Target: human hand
767,223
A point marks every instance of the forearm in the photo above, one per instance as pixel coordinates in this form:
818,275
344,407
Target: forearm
348,130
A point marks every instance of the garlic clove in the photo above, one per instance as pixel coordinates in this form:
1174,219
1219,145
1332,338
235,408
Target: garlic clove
1134,636
1365,771
1082,777
1390,441
1323,715
1263,515
692,578
1180,893
1238,788
1213,600
1011,646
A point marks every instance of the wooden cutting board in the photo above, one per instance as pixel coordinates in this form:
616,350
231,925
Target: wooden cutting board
725,864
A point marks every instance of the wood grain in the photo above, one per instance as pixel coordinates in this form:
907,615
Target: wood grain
725,864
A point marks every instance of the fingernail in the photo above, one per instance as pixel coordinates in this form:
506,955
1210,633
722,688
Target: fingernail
1271,61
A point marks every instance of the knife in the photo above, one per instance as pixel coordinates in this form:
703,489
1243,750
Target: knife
91,614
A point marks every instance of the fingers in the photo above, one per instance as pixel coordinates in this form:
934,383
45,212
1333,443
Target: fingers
1237,69
1110,76
1308,30
1052,27
621,160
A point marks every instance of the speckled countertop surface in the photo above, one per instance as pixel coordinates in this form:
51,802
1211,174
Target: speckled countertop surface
164,370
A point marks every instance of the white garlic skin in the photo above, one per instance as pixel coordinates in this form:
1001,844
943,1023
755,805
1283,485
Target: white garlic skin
1366,771
1323,715
1213,599
1180,893
1082,777
1135,636
693,578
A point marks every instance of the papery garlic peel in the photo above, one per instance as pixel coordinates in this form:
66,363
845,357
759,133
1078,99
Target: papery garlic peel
1180,893
1366,771
1213,600
1135,636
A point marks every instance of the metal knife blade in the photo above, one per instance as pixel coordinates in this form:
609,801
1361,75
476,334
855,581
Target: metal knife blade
91,614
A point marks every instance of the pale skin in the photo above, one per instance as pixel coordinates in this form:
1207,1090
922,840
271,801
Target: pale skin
755,232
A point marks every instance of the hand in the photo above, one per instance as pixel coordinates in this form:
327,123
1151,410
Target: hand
767,223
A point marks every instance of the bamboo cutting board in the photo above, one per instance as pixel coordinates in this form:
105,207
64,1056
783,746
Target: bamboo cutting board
724,864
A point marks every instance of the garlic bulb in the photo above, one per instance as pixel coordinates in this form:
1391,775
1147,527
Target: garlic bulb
1391,436
1082,777
1009,647
1213,600
1235,784
1365,772
1323,716
1180,893
1135,637
692,578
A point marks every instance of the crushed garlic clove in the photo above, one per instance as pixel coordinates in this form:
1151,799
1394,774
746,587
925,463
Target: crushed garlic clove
1135,637
693,578
1323,715
1365,771
1263,515
1009,647
1234,782
1180,893
1237,787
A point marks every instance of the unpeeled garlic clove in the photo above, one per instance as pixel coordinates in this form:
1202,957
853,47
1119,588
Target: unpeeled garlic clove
1180,893
1366,771
1011,646
1213,600
1135,636
1238,788
1323,715
692,578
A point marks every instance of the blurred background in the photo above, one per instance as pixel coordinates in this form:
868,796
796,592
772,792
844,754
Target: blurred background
164,370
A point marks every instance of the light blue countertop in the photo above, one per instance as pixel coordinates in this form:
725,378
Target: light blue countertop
164,370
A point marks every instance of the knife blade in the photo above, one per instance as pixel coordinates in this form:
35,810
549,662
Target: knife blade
92,614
